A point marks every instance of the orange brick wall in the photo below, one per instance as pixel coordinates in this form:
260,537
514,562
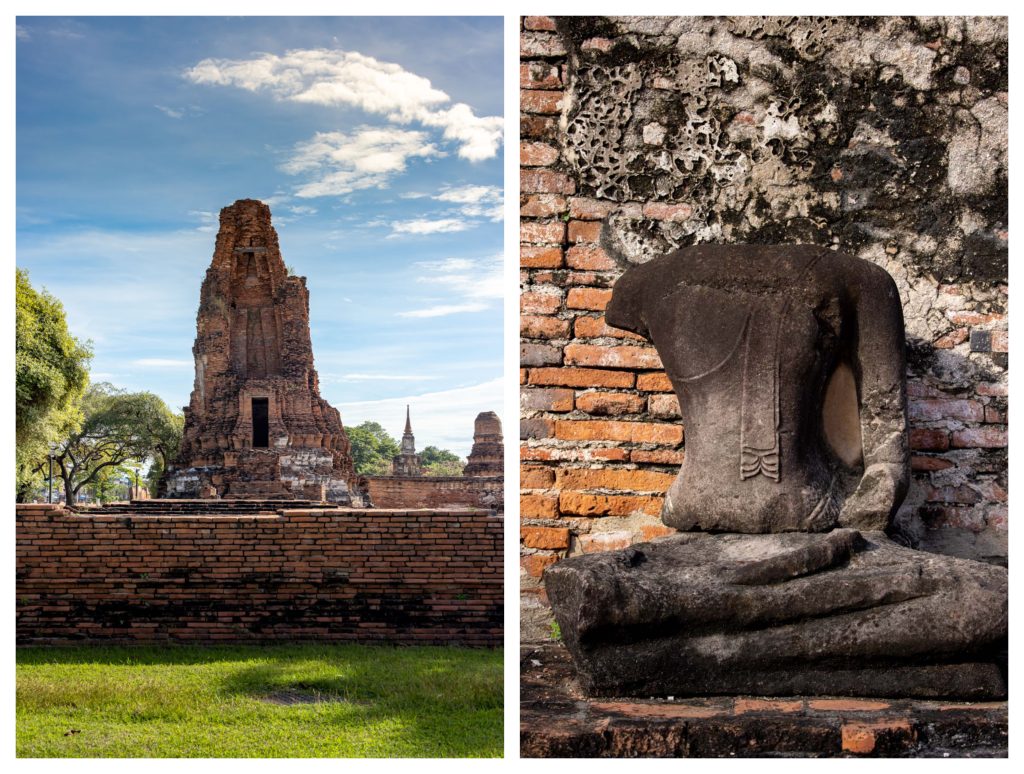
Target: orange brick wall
437,491
344,575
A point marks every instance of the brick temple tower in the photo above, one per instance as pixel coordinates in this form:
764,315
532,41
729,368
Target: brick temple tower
487,457
256,425
407,461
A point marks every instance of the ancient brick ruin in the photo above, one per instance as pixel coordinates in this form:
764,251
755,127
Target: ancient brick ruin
486,456
256,426
407,461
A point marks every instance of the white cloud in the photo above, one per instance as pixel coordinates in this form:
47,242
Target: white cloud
340,163
171,112
476,201
22,32
349,79
443,419
468,285
443,310
423,226
208,221
378,378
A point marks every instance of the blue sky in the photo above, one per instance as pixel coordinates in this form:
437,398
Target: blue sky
377,144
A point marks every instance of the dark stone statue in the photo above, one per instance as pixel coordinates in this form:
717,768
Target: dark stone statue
789,366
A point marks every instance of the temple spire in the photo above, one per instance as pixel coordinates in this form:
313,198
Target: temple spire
408,424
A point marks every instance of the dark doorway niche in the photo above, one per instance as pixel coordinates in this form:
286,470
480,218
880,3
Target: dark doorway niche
260,423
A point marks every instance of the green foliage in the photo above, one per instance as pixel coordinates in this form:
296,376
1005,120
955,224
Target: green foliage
556,631
273,701
117,427
51,374
372,449
441,462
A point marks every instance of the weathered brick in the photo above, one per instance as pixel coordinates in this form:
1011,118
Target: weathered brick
550,538
539,75
991,437
537,154
951,339
928,439
540,300
652,531
534,565
540,101
541,205
939,409
533,326
929,464
536,477
539,23
531,354
533,506
582,504
604,541
963,495
656,382
552,399
587,327
594,299
536,257
535,428
584,231
542,232
670,212
541,44
545,181
538,128
580,377
613,430
613,478
589,209
663,405
588,256
624,356
862,738
657,456
1000,341
609,403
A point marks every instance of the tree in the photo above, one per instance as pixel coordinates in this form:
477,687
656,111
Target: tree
372,449
441,462
51,374
117,427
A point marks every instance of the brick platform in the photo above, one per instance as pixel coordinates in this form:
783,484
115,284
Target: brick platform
557,721
352,575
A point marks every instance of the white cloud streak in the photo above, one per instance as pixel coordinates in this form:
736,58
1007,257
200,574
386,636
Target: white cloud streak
468,285
338,78
369,157
423,226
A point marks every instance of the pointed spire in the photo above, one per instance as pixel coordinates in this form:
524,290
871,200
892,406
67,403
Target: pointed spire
408,424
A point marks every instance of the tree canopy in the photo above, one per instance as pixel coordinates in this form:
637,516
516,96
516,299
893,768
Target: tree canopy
117,427
441,462
372,449
51,375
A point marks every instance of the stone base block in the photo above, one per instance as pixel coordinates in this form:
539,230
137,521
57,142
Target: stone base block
838,613
558,720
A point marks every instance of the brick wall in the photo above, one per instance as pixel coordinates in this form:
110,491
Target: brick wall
413,577
437,492
600,432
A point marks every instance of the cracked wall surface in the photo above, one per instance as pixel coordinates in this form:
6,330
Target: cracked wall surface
884,137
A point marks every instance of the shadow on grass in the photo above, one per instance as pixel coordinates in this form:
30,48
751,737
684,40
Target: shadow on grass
432,700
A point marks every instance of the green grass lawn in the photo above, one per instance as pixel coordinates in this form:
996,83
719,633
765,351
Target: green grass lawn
272,701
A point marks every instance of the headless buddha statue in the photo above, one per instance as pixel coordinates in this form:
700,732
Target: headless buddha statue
789,366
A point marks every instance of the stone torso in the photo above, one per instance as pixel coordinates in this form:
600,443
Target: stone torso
760,345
